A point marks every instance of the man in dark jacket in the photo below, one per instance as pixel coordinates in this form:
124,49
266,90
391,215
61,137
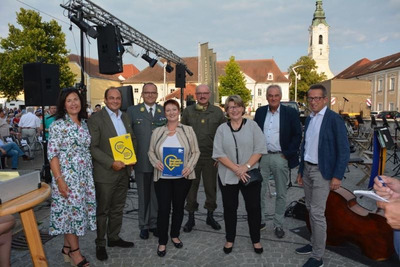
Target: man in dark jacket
282,130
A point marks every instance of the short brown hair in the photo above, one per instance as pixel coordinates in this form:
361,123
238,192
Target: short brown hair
172,102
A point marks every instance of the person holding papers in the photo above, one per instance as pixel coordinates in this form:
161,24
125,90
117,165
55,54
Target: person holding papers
111,176
174,153
238,146
389,188
73,207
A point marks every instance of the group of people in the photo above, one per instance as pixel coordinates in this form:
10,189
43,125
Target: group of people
89,187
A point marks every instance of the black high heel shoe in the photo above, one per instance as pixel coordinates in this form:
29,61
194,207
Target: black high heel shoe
258,250
228,250
161,253
177,245
82,263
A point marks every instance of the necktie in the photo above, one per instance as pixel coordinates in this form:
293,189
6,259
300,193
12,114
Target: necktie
151,112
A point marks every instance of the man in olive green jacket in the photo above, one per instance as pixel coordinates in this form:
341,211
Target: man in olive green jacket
204,119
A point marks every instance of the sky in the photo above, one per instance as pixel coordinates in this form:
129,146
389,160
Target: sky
246,29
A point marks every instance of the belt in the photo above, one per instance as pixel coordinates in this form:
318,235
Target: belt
274,152
309,163
28,128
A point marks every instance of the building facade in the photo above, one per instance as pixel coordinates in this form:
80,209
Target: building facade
318,44
383,75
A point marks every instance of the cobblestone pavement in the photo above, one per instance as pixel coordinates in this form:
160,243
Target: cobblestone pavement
203,246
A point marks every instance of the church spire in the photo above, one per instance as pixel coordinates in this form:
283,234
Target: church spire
319,14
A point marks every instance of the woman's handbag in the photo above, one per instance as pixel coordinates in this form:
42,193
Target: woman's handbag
255,174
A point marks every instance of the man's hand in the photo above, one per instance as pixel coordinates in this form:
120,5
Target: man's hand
118,165
335,183
392,212
388,191
299,179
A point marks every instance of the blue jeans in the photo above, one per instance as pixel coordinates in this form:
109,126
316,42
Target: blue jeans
13,151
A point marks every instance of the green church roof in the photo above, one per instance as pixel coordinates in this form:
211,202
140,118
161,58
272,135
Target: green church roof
319,14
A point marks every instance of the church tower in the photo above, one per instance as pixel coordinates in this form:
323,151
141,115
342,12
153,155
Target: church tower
318,46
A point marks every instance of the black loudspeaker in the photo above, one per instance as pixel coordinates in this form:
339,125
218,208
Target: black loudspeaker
41,84
127,97
110,49
180,77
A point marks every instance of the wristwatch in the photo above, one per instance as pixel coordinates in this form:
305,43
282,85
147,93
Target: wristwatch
248,166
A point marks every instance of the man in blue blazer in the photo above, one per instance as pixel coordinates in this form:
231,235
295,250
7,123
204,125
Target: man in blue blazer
325,154
282,130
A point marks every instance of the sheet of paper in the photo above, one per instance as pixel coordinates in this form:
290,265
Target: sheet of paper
5,176
370,194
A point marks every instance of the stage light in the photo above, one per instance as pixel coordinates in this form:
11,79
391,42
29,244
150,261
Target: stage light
91,31
169,68
189,72
152,61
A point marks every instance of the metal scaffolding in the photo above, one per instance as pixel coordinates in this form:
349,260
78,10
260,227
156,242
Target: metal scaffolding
98,16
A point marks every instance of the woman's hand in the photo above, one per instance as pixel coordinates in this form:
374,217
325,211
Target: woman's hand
62,187
240,170
185,172
160,166
244,177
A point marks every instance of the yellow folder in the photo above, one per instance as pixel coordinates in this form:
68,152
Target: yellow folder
122,149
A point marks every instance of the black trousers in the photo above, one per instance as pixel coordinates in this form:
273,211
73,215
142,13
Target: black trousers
170,191
230,200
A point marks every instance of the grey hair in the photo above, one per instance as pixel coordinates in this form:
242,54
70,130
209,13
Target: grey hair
30,109
275,86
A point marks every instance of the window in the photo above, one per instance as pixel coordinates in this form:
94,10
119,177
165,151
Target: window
380,106
391,85
380,86
259,92
320,40
391,106
172,90
258,104
136,90
270,76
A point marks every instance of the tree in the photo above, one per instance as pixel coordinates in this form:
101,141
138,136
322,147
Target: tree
308,74
234,82
36,41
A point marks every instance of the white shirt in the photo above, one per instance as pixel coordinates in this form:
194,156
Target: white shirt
271,130
312,136
148,108
29,120
117,121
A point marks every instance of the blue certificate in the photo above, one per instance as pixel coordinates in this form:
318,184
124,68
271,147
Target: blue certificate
173,158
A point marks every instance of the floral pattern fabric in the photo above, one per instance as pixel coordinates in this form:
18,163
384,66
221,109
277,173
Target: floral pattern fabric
70,143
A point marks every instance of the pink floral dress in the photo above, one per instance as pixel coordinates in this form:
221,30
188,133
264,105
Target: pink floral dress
70,143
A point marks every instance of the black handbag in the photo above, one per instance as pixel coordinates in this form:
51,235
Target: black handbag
254,174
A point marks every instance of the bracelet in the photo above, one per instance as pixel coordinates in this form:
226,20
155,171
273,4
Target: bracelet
58,177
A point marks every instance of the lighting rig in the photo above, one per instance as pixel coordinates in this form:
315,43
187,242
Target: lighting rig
78,10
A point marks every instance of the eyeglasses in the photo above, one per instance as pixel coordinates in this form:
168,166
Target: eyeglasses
315,99
150,93
206,93
234,107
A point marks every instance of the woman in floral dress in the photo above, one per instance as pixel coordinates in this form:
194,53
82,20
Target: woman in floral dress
73,208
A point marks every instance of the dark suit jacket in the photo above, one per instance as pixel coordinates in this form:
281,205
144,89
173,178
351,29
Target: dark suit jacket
143,126
333,146
101,129
289,131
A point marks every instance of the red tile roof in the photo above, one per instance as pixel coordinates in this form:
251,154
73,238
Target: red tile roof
189,90
256,69
365,66
92,68
156,74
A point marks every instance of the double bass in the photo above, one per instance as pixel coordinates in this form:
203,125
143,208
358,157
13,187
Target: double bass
349,221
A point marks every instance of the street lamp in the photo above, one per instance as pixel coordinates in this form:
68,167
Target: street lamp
295,81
